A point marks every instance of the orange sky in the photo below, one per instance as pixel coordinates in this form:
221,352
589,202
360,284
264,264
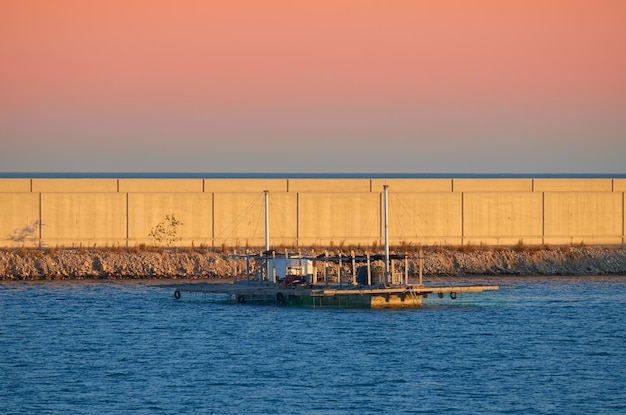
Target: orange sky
172,79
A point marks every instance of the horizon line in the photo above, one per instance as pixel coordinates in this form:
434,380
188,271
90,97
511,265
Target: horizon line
249,175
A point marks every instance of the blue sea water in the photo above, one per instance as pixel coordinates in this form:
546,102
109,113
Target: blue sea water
539,346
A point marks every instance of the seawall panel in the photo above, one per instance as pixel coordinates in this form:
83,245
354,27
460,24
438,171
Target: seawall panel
244,185
83,219
329,185
339,218
493,185
240,219
14,185
19,219
413,185
502,218
160,185
74,185
425,218
573,185
583,217
146,211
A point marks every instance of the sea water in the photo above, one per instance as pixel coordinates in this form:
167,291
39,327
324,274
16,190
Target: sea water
539,345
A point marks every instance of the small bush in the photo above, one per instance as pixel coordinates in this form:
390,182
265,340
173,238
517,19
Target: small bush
166,231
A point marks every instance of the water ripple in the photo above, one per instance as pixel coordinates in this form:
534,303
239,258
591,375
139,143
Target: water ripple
128,347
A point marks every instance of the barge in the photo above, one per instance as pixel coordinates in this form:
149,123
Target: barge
349,281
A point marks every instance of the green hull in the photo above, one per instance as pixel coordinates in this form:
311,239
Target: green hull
334,301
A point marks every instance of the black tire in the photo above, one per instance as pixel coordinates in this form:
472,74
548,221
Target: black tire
453,295
241,299
177,295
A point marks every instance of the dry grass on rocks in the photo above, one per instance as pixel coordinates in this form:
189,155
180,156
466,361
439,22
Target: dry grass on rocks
203,263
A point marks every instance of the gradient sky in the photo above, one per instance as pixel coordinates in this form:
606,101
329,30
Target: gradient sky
480,86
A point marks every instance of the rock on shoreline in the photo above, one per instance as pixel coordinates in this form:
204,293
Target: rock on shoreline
65,263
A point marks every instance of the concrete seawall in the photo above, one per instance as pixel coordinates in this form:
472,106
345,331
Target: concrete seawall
223,212
36,264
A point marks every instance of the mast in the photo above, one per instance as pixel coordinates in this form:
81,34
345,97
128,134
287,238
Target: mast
267,220
385,189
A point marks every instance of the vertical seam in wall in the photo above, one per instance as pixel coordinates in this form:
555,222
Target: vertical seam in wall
40,218
371,185
532,185
297,219
543,218
31,185
462,218
287,185
452,185
203,180
213,219
623,224
127,216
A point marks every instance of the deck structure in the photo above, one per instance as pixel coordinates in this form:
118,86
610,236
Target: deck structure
377,282
326,281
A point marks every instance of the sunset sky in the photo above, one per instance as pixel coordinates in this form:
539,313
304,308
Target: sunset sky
481,86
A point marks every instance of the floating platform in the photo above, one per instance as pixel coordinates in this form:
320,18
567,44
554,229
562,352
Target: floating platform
404,296
348,281
371,281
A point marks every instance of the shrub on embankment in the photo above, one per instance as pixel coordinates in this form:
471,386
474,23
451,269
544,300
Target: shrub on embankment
119,263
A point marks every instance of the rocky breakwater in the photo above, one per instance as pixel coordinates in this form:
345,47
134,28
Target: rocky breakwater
570,260
51,264
37,264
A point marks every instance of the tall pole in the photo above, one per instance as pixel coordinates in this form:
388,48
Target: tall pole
385,188
267,220
421,264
